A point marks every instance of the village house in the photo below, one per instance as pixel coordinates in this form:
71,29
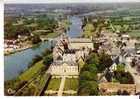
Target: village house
125,37
110,88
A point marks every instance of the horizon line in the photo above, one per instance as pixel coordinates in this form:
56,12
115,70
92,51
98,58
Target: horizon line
68,1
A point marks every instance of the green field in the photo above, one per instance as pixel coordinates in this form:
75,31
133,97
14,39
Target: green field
134,33
88,30
52,35
54,84
28,74
71,84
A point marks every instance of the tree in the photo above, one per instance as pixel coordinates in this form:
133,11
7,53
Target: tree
46,52
12,31
47,23
96,46
48,60
133,63
121,67
108,76
86,75
90,67
124,92
35,60
36,39
105,61
88,88
93,59
123,77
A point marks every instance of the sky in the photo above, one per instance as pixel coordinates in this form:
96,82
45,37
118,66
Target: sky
67,1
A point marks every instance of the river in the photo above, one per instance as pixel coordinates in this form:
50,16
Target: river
19,61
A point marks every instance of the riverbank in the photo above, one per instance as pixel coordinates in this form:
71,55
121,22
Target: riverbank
35,72
17,50
44,38
29,73
26,79
19,61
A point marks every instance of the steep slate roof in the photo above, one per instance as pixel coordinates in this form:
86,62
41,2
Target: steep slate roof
59,63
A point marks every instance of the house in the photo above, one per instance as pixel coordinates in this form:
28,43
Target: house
79,43
125,38
64,68
109,88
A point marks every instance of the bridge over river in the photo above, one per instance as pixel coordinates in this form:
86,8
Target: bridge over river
18,62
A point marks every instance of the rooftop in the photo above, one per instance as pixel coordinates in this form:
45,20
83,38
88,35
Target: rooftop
60,63
114,87
80,40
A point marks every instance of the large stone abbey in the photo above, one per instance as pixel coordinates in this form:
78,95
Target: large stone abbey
66,54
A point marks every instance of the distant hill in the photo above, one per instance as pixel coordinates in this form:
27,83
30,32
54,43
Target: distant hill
16,9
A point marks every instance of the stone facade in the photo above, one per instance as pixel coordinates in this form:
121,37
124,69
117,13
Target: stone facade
66,54
64,68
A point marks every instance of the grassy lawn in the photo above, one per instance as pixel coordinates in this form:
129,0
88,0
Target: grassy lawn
39,83
88,30
52,35
40,80
65,23
118,27
28,74
54,84
71,84
134,33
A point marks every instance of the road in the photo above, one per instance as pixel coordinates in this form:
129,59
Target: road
131,49
135,76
